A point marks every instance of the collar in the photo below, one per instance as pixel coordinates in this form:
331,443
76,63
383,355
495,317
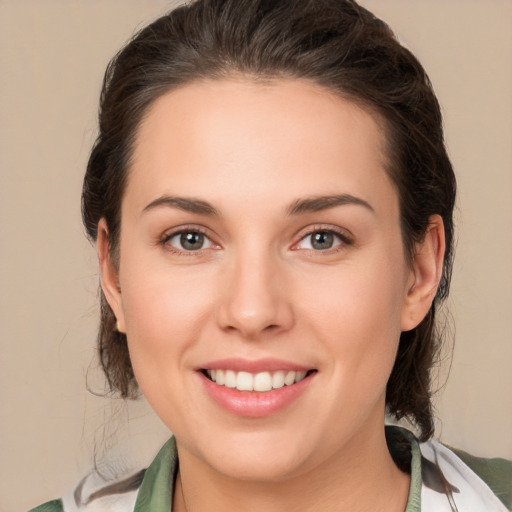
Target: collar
440,481
157,488
155,493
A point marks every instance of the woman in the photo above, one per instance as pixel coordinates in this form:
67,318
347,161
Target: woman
272,204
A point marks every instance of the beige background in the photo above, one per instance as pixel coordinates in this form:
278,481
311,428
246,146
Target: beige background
52,57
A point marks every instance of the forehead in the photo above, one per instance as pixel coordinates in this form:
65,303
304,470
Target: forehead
265,140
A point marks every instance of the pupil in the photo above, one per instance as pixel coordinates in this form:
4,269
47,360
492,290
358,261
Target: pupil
322,240
192,241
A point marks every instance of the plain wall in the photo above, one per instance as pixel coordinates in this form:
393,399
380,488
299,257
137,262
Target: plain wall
52,58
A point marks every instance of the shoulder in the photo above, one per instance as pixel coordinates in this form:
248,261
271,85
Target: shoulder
495,472
51,506
444,479
467,481
97,493
89,495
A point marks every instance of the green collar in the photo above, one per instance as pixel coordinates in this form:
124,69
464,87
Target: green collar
414,500
156,491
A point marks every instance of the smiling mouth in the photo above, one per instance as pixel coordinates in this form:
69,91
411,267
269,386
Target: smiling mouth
260,382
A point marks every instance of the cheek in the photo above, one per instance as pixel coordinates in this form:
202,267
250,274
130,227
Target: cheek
357,311
356,297
165,311
164,321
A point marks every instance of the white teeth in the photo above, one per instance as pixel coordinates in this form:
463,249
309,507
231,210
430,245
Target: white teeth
244,381
300,375
290,378
263,381
219,377
230,379
278,380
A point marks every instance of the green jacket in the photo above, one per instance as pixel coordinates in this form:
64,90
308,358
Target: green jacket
442,480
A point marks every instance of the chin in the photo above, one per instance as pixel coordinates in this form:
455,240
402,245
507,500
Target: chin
261,468
255,456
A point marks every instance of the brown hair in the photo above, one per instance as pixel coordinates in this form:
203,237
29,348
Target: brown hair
334,43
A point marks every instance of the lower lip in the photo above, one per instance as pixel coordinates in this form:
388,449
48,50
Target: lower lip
254,404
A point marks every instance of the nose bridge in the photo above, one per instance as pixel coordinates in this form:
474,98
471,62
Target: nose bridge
254,300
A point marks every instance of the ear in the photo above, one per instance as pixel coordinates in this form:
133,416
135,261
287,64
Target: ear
109,275
425,274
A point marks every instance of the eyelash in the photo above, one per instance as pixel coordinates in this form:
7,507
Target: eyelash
184,230
345,240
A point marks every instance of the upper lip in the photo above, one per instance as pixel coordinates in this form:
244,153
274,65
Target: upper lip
253,366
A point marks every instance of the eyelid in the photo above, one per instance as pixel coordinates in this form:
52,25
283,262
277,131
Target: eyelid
343,234
171,233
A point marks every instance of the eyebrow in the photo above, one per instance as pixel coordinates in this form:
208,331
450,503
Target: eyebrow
187,204
319,203
300,206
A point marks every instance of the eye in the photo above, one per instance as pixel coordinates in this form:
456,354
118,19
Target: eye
321,240
189,241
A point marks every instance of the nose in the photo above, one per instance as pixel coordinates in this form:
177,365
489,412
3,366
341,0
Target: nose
255,300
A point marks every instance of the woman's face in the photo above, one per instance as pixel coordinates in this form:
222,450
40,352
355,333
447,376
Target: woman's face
261,240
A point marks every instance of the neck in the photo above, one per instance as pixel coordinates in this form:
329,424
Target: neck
362,478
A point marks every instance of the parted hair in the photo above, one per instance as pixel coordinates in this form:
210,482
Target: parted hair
334,43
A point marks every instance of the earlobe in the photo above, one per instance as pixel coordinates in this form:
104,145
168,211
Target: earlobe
109,275
425,274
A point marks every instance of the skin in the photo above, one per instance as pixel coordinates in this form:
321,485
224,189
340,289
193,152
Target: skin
259,289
